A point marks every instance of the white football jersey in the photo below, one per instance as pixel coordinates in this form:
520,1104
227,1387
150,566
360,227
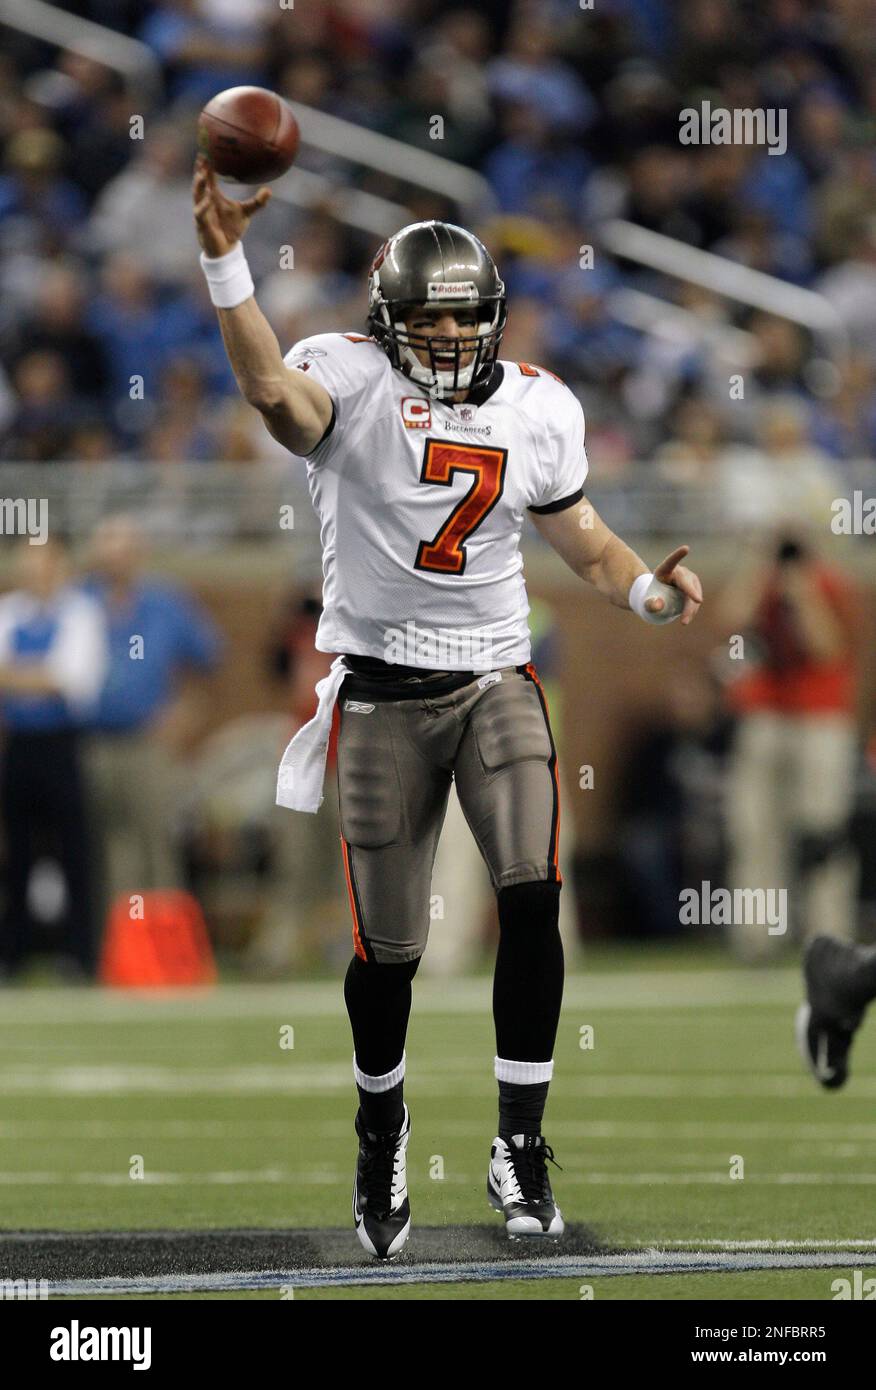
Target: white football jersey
421,505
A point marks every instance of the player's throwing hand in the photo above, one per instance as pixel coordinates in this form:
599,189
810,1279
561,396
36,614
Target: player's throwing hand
221,221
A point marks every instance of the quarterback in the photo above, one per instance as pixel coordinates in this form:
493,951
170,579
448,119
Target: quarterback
424,452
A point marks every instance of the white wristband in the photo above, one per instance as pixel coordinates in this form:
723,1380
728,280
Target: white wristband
645,587
228,277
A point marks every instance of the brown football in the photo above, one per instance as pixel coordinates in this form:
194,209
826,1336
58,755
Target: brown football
249,134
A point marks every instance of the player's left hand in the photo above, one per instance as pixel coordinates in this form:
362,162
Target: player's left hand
669,571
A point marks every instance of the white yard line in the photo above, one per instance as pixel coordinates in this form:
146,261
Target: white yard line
853,1243
156,1178
329,1178
659,990
244,1129
432,1076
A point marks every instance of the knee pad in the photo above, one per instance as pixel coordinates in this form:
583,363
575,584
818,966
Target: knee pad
530,905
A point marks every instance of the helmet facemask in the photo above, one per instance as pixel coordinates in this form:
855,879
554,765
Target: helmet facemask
388,322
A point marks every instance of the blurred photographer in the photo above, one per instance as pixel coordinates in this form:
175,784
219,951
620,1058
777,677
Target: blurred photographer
791,769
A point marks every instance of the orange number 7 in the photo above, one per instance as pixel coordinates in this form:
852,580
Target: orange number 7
445,553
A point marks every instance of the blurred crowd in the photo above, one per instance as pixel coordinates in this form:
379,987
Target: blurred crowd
109,347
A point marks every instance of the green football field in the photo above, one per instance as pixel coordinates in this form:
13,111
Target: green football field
699,1160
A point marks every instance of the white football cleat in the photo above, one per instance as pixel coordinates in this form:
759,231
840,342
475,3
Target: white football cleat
518,1185
381,1209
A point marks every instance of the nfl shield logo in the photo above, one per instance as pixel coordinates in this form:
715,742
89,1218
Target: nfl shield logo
466,413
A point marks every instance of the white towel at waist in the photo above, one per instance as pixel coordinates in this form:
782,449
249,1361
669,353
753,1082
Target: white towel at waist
302,770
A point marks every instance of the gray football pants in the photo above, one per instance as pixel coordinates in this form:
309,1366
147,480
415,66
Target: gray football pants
396,760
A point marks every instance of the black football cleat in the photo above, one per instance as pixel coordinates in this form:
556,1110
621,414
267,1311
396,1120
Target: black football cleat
518,1185
381,1209
827,1022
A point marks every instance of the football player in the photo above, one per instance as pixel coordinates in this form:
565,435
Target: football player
424,453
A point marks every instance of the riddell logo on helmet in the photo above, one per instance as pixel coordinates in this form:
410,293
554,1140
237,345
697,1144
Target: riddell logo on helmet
452,289
416,413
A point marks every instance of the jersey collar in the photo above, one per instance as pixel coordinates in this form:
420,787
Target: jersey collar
487,388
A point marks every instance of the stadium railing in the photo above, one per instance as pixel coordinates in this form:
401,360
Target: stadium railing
726,278
134,60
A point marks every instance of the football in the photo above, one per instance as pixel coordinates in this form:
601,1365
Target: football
249,134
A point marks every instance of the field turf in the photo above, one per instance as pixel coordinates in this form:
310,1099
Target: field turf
692,1078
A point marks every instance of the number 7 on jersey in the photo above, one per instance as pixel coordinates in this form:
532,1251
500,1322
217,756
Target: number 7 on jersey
445,553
